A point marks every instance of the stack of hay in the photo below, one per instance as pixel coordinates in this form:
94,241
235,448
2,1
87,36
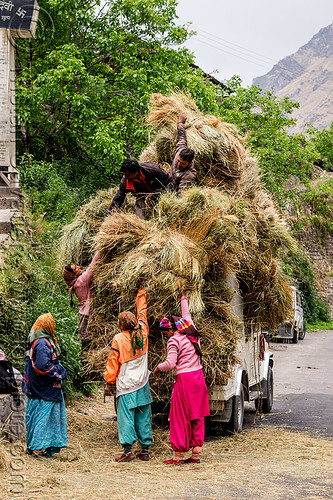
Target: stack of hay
194,242
77,244
220,157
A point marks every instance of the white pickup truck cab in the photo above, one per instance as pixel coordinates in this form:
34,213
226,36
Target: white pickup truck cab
294,327
251,379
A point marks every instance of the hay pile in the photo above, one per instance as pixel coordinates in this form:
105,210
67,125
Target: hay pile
77,241
199,242
4,456
220,155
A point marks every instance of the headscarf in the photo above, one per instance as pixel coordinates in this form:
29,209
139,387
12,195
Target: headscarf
70,274
44,327
127,321
184,327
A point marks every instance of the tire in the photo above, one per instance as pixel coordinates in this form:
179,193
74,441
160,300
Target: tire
302,333
237,417
295,335
267,403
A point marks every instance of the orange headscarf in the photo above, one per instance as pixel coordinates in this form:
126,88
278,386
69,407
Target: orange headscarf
45,321
44,326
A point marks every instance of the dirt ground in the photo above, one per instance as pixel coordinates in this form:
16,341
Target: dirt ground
262,461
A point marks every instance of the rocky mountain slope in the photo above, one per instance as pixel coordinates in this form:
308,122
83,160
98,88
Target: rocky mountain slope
307,77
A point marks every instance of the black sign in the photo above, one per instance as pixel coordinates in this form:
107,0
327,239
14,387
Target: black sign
16,14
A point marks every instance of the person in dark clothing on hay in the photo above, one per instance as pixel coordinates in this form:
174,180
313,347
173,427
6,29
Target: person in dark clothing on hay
182,169
144,181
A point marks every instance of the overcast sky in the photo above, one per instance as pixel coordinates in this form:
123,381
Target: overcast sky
247,37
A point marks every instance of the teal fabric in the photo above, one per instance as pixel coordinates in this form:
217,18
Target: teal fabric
134,417
137,398
46,425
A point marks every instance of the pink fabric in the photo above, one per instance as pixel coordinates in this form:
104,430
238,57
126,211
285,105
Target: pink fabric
82,287
185,309
189,406
181,355
181,352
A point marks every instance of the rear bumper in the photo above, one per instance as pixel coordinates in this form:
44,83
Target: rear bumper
220,411
285,332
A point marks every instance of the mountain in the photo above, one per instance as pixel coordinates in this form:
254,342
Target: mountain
306,77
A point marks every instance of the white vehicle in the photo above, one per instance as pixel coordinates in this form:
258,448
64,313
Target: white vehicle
294,327
251,379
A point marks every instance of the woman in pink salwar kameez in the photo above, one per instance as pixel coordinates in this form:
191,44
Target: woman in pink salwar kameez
189,402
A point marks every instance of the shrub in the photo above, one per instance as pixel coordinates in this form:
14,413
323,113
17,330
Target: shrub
299,267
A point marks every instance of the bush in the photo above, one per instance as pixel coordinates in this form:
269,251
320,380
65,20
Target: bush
47,192
319,199
299,267
30,285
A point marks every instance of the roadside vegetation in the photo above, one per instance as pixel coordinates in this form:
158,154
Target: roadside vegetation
83,90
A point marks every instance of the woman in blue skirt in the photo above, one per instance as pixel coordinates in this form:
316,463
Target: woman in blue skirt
43,375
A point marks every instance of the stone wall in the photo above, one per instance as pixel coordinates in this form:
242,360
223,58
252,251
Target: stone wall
326,292
322,257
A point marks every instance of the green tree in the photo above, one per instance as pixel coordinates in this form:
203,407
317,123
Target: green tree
266,119
323,142
84,83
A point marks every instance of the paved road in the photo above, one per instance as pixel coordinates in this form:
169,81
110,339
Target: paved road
303,384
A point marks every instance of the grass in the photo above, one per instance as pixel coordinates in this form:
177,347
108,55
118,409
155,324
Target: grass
320,325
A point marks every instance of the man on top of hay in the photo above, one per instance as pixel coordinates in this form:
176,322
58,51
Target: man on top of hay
182,168
143,180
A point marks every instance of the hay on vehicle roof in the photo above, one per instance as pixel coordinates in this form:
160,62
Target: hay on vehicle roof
185,239
193,242
149,154
219,150
267,292
77,244
196,242
250,182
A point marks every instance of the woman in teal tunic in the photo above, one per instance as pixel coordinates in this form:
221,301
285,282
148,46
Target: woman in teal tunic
46,419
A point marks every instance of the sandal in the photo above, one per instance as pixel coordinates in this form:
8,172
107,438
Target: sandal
172,461
125,457
192,461
41,456
143,456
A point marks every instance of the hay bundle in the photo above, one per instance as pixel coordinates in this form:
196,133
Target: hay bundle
194,242
77,244
219,150
250,184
